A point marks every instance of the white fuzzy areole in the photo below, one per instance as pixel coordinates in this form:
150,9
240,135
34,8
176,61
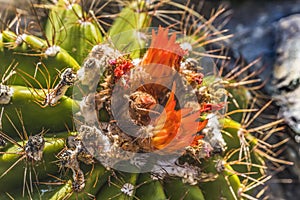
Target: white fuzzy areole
52,51
6,93
213,133
188,174
128,189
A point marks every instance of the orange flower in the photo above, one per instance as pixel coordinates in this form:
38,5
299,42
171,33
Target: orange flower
166,125
176,125
196,140
163,52
173,129
190,126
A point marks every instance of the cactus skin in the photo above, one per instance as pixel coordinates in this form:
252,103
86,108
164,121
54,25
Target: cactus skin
34,117
149,188
12,179
69,23
75,32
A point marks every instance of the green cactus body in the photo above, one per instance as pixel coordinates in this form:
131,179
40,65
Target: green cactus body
239,100
1,42
23,42
225,186
95,180
131,23
175,189
71,24
121,187
34,117
36,61
14,177
147,188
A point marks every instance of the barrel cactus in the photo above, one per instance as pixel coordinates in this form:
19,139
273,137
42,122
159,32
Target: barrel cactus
98,103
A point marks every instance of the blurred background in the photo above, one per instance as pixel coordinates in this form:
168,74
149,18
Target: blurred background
263,29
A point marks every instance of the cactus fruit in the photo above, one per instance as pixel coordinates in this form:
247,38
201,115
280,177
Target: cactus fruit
121,110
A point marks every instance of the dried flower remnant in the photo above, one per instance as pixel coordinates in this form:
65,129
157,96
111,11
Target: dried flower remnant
189,174
67,79
140,105
34,147
94,65
71,157
78,183
121,66
158,127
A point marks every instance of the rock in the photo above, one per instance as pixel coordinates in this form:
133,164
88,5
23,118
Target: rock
254,25
286,73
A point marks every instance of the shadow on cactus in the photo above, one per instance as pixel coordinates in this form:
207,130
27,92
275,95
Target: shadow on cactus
131,111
